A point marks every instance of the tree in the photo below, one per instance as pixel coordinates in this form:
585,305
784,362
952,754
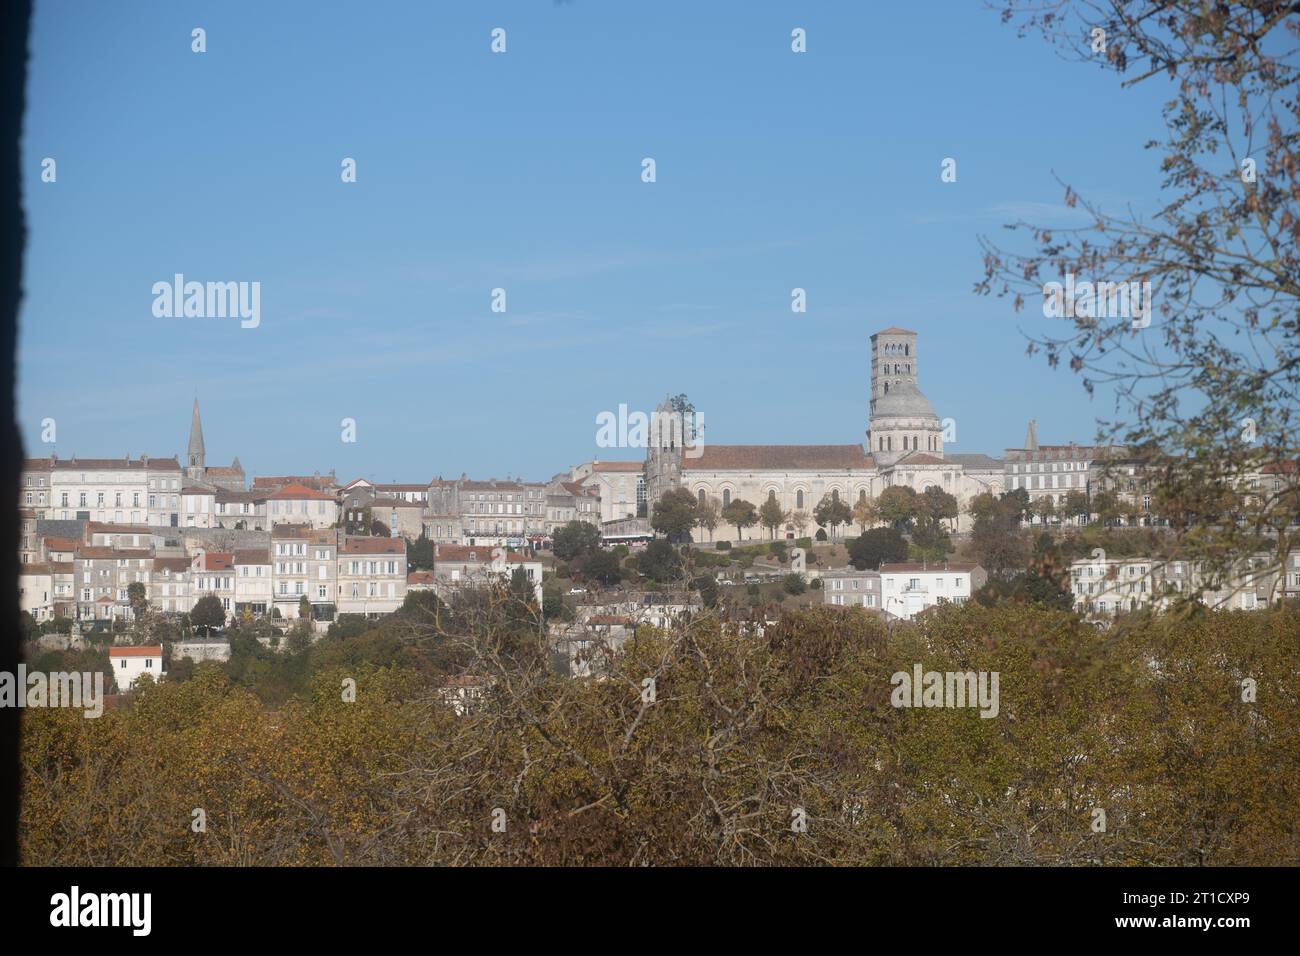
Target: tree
135,593
800,520
865,513
707,586
772,515
999,545
879,545
740,513
1044,508
304,608
207,614
379,530
897,506
831,512
419,553
1076,505
602,567
708,514
1205,365
675,514
575,539
659,561
794,584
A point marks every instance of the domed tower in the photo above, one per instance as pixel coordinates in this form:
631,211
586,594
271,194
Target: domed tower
901,420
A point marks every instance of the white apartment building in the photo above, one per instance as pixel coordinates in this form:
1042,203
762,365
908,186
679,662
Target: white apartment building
213,573
131,663
36,590
849,587
298,504
240,509
169,585
304,562
371,575
198,506
906,589
128,490
253,581
470,566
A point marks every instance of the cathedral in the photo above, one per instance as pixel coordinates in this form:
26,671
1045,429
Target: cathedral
904,446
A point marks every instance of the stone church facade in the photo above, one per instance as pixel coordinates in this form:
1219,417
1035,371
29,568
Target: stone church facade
904,446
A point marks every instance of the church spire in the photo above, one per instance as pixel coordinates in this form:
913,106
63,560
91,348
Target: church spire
195,455
1031,436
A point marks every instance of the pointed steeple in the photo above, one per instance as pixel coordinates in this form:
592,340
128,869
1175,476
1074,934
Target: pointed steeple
196,453
1031,437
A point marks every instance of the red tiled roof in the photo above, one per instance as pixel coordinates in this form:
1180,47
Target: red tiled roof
154,650
778,457
297,492
468,553
373,546
53,543
252,556
98,553
909,566
420,577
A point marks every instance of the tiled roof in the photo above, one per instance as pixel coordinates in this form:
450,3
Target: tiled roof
115,464
893,330
920,458
154,650
33,567
296,492
217,561
88,553
272,482
107,527
61,544
910,566
779,457
373,546
419,577
628,466
237,497
177,565
468,553
252,556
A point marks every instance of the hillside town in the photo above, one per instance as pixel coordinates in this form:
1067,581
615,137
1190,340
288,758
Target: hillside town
103,539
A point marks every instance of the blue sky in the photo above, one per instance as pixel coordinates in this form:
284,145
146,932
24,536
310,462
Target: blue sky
522,171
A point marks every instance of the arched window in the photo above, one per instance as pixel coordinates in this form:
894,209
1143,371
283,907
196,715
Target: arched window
862,494
701,496
726,497
889,444
798,498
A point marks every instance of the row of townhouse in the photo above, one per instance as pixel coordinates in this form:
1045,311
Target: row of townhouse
91,578
1056,471
126,490
1104,587
902,590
